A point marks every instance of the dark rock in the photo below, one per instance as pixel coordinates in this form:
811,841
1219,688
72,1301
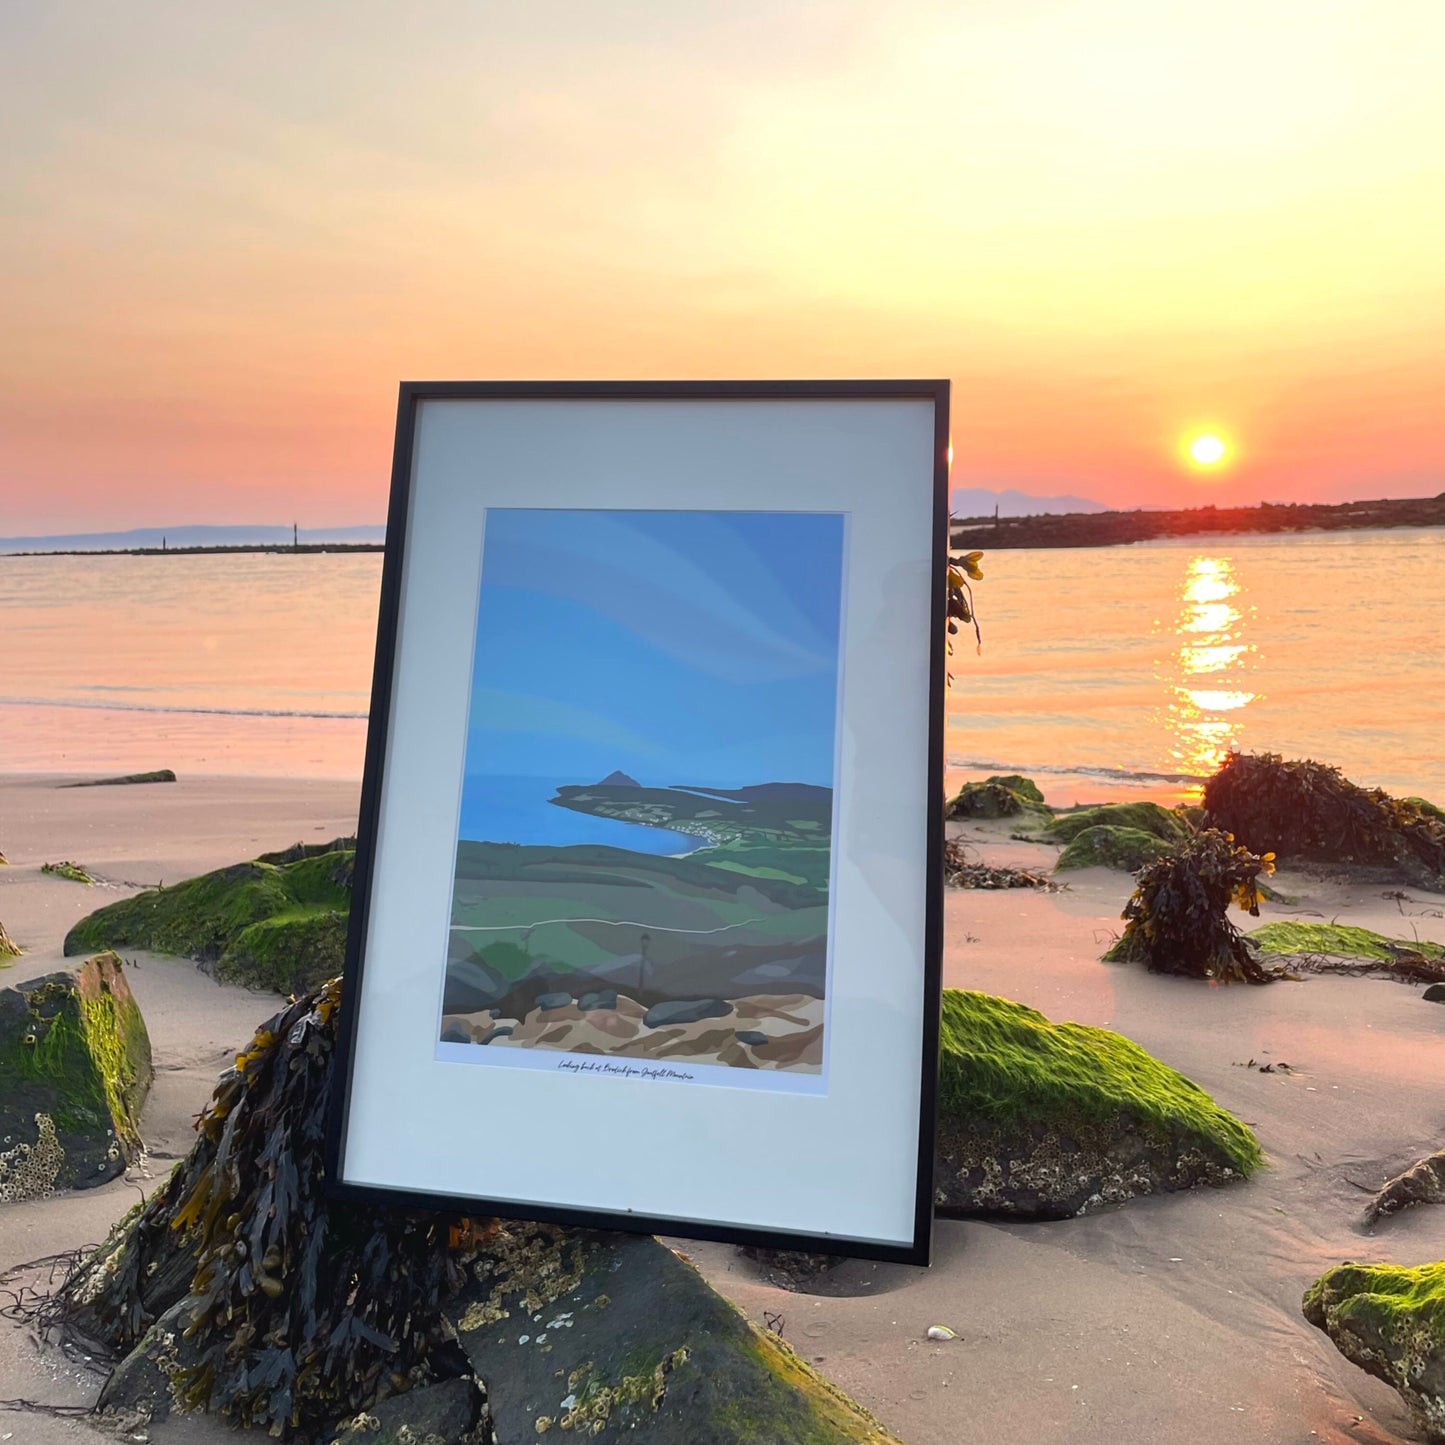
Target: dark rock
471,987
456,1033
1422,1183
500,1032
142,1380
751,1036
160,775
603,998
686,1011
616,1338
75,1067
792,1269
1435,993
560,999
451,1412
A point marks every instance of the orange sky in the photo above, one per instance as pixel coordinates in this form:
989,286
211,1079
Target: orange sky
229,231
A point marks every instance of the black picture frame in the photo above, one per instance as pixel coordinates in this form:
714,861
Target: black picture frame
413,397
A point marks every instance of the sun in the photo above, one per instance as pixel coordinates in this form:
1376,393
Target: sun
1208,450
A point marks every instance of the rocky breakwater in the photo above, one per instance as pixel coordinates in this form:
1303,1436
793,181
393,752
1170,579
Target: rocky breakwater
75,1067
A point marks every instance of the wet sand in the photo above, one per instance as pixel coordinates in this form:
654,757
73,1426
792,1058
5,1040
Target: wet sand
1172,1320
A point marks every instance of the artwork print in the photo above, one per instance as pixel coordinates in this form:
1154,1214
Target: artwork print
644,842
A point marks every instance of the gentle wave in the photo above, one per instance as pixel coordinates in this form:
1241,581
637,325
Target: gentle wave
1081,770
108,705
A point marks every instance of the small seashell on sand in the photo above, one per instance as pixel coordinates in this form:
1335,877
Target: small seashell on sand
941,1332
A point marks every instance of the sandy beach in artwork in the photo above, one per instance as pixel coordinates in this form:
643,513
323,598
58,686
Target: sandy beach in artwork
1173,1319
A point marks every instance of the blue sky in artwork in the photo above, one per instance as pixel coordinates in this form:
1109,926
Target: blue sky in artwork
693,648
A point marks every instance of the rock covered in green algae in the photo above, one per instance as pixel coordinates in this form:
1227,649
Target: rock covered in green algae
613,1337
1052,1120
1127,849
1002,796
75,1067
1390,1321
1344,940
1160,822
264,924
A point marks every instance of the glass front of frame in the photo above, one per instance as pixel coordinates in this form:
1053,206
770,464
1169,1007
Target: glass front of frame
644,848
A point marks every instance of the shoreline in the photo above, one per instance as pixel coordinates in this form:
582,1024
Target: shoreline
1170,1320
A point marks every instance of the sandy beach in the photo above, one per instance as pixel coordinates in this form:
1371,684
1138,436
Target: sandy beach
1170,1320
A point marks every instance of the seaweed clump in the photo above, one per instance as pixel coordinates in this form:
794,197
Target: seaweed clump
277,1307
1310,811
1177,920
8,947
67,869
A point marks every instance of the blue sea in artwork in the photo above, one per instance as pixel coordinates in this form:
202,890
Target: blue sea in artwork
679,649
516,810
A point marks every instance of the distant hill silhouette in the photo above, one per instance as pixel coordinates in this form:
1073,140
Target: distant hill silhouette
981,501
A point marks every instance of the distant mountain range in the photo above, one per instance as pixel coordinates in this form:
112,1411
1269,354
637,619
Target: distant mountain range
981,501
198,536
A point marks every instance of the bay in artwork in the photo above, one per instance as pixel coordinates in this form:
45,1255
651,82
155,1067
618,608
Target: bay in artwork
644,852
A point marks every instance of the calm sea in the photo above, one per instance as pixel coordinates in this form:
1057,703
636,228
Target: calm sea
1110,666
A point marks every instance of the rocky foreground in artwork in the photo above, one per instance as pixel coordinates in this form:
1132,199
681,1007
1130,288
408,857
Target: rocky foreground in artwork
719,956
770,1031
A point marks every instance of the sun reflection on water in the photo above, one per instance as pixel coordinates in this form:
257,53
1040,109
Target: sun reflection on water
1204,674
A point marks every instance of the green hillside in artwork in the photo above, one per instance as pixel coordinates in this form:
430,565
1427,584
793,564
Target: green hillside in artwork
745,915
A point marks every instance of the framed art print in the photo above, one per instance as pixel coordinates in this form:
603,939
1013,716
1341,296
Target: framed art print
646,923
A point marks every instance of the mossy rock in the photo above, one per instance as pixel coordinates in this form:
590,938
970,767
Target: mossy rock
615,1338
1390,1321
1049,1120
1026,788
1127,849
75,1067
1159,822
1339,939
262,924
1005,795
1429,809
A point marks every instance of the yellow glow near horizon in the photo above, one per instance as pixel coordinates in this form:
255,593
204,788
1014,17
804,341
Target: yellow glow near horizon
1208,450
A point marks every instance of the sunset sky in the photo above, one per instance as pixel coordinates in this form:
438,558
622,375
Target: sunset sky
229,230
